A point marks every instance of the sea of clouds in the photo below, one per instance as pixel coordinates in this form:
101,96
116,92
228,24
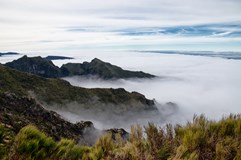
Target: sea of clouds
198,84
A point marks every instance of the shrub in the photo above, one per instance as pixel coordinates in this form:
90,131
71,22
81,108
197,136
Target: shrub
197,140
2,146
30,143
67,150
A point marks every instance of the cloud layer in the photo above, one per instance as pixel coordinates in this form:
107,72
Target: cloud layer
198,84
63,26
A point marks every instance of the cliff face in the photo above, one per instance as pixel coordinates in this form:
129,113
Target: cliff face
45,68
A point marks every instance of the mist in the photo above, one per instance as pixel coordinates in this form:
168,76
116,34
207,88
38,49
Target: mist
198,85
113,116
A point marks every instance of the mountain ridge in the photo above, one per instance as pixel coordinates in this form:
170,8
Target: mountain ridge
59,92
102,69
8,53
44,67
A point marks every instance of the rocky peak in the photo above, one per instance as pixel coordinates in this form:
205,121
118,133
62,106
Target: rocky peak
96,60
36,65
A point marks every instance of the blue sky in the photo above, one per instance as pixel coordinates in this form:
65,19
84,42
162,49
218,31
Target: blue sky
73,25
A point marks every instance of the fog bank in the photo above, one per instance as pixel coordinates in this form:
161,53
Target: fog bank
197,84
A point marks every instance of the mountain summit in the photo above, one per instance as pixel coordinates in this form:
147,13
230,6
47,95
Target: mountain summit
36,65
101,69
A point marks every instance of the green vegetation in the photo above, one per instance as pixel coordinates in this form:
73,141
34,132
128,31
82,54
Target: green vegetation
200,139
32,144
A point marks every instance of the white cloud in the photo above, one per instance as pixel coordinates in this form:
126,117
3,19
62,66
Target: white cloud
197,84
23,24
205,11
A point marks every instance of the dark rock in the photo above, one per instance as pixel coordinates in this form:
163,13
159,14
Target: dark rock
8,53
171,104
50,58
118,131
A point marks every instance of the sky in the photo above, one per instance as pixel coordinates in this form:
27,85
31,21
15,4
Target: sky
66,26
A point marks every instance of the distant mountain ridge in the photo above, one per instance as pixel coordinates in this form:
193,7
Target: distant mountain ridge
8,53
225,55
57,58
44,67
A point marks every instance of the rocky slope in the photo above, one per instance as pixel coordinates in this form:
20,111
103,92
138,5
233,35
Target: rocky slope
17,112
44,67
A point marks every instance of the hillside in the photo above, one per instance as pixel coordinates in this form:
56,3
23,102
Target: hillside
60,93
45,68
18,112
